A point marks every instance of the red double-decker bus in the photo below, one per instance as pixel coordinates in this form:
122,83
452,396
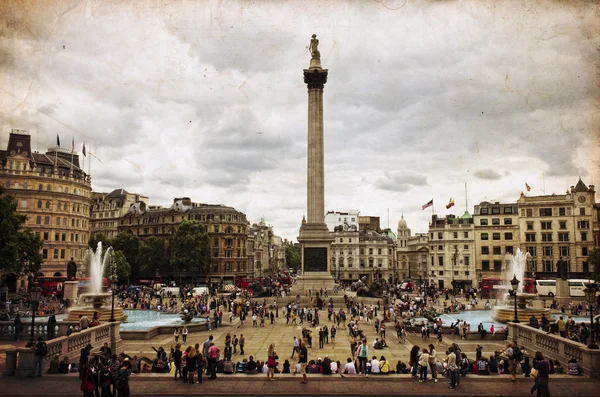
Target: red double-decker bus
496,287
54,285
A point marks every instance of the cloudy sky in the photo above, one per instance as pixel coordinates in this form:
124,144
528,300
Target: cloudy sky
206,99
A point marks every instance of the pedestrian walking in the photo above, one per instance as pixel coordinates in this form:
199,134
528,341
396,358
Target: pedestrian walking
242,343
184,334
176,335
541,378
303,360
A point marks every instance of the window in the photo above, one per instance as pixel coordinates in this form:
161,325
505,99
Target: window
440,247
548,265
441,273
497,266
563,250
529,212
56,236
485,250
441,260
466,246
546,225
62,254
583,225
341,240
530,237
545,211
497,250
46,220
483,222
485,265
455,234
563,236
216,228
495,236
380,263
47,205
507,221
562,224
467,260
39,205
378,251
546,236
547,251
466,234
495,210
529,225
531,250
439,235
55,254
583,236
370,251
44,252
485,211
371,262
38,220
582,211
561,211
508,210
484,236
45,236
584,251
509,249
495,221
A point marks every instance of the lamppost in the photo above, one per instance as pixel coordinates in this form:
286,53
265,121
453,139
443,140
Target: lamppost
35,293
590,294
514,283
454,258
114,284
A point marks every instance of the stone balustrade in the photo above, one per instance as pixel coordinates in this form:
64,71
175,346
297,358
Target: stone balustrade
7,329
555,347
19,361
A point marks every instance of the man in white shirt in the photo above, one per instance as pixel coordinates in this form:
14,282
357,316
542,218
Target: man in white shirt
334,367
296,346
375,365
350,368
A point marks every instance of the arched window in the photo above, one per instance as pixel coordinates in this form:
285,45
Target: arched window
16,185
39,203
47,220
49,188
47,204
66,190
7,185
40,188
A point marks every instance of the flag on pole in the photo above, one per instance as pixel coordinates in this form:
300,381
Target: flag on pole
450,203
73,145
429,204
527,187
57,140
83,150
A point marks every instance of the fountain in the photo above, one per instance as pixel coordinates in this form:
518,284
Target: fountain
506,312
95,300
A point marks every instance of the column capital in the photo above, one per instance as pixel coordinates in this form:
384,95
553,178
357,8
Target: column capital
315,78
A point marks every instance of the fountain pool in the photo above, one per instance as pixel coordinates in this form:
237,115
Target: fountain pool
474,317
143,320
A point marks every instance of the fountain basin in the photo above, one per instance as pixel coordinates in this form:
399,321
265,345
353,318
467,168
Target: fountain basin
525,310
99,303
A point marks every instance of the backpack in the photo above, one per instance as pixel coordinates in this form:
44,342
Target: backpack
121,376
517,354
42,349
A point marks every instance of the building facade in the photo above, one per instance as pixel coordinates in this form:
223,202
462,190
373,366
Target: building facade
54,193
496,236
558,226
227,229
451,249
108,208
411,254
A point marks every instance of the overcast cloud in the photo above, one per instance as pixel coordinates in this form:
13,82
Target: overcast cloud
207,100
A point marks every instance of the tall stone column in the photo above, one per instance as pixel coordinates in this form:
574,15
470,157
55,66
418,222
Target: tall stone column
315,238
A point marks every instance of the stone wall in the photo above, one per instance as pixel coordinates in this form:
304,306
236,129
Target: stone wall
556,347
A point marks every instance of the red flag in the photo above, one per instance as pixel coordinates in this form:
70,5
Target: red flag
527,187
429,204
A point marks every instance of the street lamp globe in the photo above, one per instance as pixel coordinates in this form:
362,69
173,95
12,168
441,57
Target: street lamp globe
35,292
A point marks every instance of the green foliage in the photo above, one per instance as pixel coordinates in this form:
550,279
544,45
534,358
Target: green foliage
20,249
190,248
122,267
594,260
293,256
152,254
129,245
93,243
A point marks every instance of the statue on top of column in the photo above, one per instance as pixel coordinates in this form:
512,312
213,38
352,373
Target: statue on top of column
314,44
561,269
71,270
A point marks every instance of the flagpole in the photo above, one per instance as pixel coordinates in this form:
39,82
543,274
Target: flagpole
466,199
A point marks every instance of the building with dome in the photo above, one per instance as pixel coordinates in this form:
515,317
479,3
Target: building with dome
54,192
412,253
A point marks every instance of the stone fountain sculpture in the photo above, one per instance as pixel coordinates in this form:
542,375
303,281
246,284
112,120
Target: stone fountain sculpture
506,312
94,299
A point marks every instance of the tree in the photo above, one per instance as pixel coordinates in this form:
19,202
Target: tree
129,245
594,260
122,267
93,243
190,249
20,249
293,256
152,254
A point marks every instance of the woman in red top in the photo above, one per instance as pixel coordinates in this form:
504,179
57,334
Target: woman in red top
271,362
